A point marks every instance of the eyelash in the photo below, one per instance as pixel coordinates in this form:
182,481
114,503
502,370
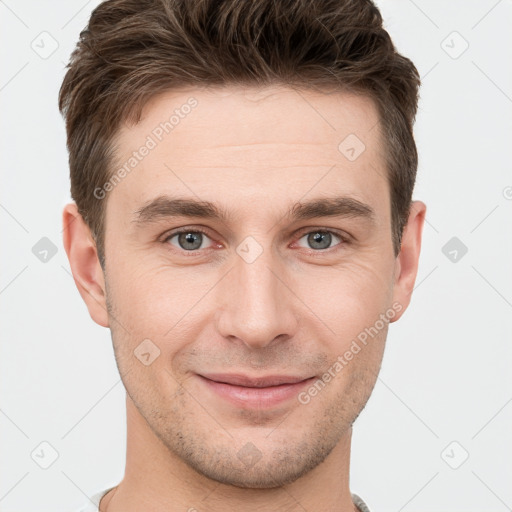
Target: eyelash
345,240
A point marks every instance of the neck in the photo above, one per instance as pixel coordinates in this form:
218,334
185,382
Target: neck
156,479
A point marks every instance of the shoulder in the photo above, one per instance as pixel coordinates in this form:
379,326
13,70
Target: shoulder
359,503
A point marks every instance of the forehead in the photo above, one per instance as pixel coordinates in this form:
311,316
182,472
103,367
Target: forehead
250,142
253,116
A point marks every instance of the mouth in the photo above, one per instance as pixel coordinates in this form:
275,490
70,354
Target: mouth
255,392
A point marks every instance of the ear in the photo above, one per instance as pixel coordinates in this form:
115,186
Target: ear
406,265
85,266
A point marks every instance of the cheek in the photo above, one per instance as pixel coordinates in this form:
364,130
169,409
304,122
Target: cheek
347,298
149,300
153,319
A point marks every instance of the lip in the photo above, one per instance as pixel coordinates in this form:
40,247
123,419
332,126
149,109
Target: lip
255,392
238,379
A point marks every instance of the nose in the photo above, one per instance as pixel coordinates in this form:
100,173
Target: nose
256,304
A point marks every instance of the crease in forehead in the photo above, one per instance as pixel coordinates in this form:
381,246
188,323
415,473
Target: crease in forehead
320,109
255,94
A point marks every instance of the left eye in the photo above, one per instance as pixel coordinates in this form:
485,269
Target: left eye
319,239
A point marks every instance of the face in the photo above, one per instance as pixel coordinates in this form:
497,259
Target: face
285,268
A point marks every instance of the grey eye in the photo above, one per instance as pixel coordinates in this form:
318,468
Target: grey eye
319,239
188,240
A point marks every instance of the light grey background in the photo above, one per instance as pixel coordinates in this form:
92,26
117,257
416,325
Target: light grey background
445,387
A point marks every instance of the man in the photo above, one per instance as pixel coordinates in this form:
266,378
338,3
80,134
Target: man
242,175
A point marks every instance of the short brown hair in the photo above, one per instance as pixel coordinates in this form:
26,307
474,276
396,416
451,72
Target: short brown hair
132,50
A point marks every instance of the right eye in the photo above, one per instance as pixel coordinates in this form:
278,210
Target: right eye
189,240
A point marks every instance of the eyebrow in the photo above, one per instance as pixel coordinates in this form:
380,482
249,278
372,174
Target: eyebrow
165,207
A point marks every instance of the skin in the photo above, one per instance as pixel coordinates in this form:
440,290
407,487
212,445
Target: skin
255,152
